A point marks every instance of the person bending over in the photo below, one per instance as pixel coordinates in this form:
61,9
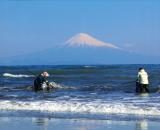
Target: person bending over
41,82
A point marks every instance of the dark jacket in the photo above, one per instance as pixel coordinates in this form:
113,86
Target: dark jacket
39,81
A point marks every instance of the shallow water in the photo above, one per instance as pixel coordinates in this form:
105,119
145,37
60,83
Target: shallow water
14,123
90,92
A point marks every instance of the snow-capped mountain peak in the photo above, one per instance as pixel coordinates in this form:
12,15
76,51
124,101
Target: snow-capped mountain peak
83,39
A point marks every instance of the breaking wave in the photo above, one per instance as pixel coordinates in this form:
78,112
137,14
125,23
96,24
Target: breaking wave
17,75
80,107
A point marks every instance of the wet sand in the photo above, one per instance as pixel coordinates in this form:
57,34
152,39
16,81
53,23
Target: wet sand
34,123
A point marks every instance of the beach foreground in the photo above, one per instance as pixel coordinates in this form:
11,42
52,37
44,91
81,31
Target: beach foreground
34,123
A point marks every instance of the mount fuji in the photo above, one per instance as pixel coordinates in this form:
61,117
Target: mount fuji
80,49
83,40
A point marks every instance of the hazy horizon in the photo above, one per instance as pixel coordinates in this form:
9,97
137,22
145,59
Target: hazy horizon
28,27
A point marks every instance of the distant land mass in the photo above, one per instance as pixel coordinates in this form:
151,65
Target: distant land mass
80,49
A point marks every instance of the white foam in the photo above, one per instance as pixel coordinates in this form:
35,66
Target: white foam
56,85
87,66
79,107
17,75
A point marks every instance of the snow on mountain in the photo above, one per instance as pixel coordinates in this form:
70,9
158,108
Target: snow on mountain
83,39
76,52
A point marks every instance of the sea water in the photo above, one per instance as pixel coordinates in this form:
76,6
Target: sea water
96,92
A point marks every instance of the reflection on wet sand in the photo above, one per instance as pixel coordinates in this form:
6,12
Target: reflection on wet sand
141,125
41,122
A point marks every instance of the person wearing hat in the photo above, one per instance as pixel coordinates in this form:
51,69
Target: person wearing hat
142,83
41,82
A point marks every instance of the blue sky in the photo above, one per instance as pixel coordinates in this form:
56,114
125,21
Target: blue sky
29,26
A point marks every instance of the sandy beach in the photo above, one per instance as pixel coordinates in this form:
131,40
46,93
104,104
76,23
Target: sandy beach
34,123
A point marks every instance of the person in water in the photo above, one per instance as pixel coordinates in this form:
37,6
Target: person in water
41,82
142,83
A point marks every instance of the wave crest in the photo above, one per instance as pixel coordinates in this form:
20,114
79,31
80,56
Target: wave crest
80,107
17,75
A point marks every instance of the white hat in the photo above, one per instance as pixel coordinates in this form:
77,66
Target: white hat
45,74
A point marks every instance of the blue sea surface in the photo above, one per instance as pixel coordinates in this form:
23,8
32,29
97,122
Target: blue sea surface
99,92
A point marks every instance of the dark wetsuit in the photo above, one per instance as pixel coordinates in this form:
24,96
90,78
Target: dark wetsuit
142,88
38,83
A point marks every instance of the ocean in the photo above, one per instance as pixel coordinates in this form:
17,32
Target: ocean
91,92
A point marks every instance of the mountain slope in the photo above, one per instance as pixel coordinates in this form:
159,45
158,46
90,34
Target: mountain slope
80,49
77,56
83,39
